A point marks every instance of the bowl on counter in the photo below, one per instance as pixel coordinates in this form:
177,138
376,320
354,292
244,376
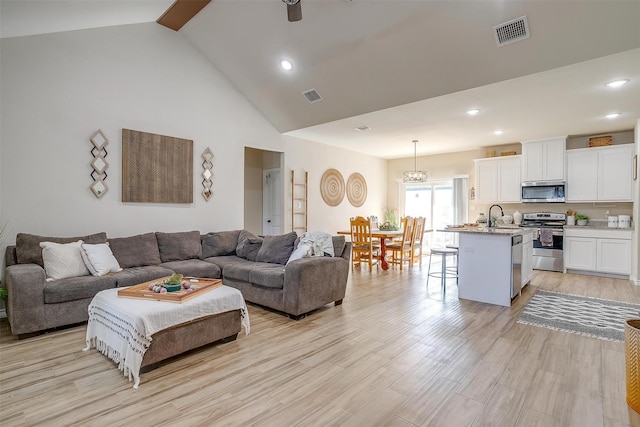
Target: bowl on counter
507,219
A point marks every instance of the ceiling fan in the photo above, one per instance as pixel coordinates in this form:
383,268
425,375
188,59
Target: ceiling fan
294,10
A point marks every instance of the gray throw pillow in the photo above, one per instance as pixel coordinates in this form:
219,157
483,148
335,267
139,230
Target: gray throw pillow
179,246
28,250
220,243
277,249
136,251
248,245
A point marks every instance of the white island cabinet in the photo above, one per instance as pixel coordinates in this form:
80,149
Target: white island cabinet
490,269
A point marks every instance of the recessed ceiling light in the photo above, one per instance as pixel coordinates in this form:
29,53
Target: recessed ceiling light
617,83
612,115
498,131
286,65
361,128
473,111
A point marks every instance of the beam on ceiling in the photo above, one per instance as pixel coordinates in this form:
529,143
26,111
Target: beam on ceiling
180,12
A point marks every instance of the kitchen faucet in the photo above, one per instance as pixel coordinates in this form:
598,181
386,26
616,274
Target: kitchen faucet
501,214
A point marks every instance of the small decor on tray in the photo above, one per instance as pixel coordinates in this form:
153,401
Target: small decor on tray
171,284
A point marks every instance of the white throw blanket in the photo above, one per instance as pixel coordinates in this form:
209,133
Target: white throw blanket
121,328
318,242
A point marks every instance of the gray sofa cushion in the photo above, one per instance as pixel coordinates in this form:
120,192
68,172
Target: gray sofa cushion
137,275
338,245
221,243
28,250
76,288
194,268
136,251
277,249
179,246
269,276
256,273
248,245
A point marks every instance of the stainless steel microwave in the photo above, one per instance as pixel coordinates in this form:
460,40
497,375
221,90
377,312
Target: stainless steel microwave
543,192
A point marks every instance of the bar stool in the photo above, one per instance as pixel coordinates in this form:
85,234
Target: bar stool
455,267
444,273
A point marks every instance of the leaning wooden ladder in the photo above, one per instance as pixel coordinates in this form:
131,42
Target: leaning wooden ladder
299,206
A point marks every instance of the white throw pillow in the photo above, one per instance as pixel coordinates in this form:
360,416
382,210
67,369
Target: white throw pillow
62,260
99,259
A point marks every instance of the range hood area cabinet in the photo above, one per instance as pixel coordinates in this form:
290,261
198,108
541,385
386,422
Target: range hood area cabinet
543,160
498,179
602,174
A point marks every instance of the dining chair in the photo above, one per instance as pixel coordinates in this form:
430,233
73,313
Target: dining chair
402,251
418,238
363,247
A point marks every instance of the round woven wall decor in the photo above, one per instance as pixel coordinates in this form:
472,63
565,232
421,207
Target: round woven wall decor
332,187
356,189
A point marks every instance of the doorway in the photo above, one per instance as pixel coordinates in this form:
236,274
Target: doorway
263,191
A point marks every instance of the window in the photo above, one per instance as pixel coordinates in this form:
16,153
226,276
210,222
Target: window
441,203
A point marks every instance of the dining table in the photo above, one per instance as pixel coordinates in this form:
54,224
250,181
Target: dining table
382,235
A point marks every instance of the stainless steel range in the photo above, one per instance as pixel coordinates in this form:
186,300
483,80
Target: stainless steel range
548,239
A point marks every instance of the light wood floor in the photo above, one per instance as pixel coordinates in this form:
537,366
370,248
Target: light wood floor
390,355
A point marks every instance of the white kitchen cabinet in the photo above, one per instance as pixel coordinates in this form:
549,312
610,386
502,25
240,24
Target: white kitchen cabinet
598,250
613,256
615,173
580,253
600,174
498,179
543,160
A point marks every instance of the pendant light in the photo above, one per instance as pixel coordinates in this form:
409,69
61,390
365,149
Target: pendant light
415,176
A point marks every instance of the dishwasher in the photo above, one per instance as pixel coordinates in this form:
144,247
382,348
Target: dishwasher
516,265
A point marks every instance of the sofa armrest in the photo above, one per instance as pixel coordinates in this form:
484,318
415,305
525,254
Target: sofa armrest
25,302
310,283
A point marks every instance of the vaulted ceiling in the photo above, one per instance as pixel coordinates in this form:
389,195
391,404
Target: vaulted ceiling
405,69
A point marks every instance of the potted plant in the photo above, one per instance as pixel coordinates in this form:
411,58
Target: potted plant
581,219
389,220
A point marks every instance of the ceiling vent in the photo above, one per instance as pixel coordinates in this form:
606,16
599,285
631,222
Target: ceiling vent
312,96
512,31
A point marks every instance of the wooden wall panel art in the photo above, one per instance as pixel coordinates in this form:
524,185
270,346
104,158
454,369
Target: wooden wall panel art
156,168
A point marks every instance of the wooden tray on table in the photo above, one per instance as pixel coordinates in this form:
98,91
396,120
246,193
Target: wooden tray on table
142,291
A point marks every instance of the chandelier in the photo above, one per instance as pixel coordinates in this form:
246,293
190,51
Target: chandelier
415,175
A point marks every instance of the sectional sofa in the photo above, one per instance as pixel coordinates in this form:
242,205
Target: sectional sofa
259,266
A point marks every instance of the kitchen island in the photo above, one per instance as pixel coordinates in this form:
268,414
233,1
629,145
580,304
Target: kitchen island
490,263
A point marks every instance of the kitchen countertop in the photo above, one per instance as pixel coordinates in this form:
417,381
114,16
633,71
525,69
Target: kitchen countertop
502,230
597,227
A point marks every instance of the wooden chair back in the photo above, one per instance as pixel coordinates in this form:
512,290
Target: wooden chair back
361,231
407,232
418,229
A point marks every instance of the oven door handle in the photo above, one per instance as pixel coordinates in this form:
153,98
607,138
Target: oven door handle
557,233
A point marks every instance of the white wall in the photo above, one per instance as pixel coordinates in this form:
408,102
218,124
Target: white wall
316,158
57,89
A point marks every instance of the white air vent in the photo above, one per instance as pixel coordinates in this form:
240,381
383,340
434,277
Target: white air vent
312,96
512,31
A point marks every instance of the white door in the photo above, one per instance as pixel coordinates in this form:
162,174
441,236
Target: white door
272,202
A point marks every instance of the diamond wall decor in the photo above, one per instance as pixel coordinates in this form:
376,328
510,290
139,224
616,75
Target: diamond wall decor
99,164
207,174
